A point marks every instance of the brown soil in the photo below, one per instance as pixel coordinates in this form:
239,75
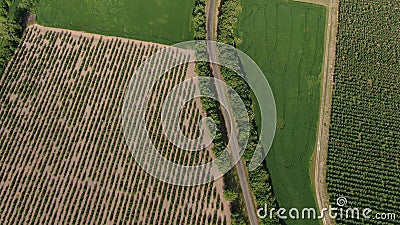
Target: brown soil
63,155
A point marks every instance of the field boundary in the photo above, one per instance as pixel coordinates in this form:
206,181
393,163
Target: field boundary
167,22
316,2
212,12
320,156
94,35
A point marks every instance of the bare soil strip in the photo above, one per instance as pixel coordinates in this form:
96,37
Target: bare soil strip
317,2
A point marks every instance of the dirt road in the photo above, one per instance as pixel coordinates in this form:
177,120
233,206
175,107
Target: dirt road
222,93
320,157
321,154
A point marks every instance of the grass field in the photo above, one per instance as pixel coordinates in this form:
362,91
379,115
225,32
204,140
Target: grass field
286,39
151,20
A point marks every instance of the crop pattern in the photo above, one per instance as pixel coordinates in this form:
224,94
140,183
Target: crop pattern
63,154
364,143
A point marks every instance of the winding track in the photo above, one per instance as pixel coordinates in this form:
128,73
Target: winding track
211,25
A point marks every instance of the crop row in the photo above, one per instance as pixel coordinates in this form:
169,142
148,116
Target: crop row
63,155
364,148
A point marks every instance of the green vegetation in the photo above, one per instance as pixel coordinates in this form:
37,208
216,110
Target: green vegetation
230,195
364,147
286,39
12,18
232,190
259,179
199,20
232,187
61,118
166,22
260,182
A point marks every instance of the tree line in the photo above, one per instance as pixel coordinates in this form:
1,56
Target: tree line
13,14
259,179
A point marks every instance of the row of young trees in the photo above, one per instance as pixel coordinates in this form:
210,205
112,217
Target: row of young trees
63,152
364,147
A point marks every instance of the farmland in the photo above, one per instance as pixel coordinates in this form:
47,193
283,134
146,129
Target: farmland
63,155
291,57
364,148
259,178
286,39
165,22
11,20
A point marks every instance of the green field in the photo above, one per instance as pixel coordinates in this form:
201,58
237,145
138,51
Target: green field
166,22
286,39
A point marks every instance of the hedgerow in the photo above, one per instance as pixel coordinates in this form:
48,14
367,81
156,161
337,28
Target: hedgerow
259,179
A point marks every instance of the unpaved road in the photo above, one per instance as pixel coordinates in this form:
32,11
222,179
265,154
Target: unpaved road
321,154
212,16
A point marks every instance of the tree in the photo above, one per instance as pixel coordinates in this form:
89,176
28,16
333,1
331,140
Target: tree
230,195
